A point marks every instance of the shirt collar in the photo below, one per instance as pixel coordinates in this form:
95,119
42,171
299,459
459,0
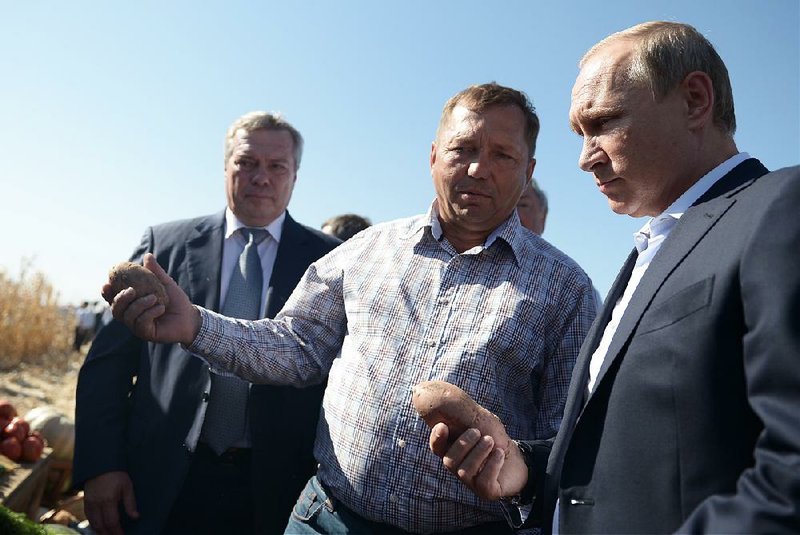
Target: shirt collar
661,225
275,229
509,231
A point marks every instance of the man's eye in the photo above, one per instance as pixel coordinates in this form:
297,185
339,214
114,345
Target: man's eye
600,123
245,164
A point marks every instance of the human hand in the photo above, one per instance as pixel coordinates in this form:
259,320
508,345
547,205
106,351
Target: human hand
102,497
488,471
150,320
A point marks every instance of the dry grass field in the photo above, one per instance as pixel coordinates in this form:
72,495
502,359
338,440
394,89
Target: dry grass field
37,363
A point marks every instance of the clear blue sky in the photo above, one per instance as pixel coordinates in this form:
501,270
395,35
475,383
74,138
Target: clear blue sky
113,113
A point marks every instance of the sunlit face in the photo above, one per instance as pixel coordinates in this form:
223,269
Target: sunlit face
479,164
532,213
260,175
634,144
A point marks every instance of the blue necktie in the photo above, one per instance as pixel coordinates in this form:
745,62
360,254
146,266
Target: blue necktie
226,415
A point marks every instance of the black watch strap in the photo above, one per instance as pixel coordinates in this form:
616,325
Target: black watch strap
525,497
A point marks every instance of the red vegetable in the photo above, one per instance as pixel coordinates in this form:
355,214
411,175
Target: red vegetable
11,448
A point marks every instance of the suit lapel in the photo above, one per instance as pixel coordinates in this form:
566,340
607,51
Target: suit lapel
204,261
290,264
580,376
691,228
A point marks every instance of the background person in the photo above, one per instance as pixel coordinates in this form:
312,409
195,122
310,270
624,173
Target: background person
682,411
532,207
532,210
345,226
462,293
84,325
142,414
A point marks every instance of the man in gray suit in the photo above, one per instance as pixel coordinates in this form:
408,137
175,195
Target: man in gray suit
682,410
142,429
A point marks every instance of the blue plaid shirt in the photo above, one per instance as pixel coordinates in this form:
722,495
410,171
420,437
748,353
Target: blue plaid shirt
397,305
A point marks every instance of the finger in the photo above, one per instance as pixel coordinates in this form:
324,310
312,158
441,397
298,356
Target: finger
134,307
110,515
121,302
474,460
93,515
438,439
486,483
107,293
141,315
460,448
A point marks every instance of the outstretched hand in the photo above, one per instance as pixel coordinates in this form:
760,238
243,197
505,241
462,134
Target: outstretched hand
488,471
148,319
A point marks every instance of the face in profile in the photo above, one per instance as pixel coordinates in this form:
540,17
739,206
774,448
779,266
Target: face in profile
634,143
260,174
479,164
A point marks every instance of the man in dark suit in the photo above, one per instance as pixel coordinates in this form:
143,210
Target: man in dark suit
142,430
682,410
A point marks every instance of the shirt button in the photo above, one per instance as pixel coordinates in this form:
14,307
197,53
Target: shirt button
401,443
432,343
205,396
393,498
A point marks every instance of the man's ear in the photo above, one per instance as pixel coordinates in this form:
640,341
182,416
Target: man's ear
698,91
433,153
529,170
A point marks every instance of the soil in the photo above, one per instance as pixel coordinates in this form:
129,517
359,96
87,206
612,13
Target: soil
49,381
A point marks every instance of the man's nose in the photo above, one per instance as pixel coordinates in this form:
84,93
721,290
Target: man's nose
479,166
261,175
591,154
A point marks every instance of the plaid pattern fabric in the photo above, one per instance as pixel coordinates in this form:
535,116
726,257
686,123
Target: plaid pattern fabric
395,306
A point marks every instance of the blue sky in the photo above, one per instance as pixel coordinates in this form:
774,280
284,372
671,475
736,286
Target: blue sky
113,113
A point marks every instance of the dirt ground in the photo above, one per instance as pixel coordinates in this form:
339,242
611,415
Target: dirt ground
49,382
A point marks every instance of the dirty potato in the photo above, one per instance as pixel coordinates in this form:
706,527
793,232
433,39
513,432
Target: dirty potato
440,401
130,275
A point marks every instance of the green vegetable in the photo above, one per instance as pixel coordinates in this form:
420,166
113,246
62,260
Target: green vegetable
12,523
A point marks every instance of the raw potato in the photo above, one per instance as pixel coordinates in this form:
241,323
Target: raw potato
440,401
130,275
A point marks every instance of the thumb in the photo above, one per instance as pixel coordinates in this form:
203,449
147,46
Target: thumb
129,501
152,264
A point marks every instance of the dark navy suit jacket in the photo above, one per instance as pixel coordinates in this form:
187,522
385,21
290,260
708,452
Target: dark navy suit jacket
693,425
137,402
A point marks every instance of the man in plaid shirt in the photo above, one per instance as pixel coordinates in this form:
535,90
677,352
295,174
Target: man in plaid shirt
462,293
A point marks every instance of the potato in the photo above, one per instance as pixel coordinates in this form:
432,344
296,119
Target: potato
130,275
440,401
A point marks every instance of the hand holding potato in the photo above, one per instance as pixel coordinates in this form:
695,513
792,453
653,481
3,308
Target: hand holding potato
150,303
480,453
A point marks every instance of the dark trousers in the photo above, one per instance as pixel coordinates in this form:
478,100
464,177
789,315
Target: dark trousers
217,495
316,512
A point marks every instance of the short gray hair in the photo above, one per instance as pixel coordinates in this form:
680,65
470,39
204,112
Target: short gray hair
665,53
262,120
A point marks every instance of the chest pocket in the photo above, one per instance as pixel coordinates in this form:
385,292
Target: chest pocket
678,307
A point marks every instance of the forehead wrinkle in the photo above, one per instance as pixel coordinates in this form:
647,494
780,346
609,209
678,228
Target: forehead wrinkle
596,92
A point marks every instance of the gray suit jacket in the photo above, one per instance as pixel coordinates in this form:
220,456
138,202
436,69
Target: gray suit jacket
142,428
693,425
